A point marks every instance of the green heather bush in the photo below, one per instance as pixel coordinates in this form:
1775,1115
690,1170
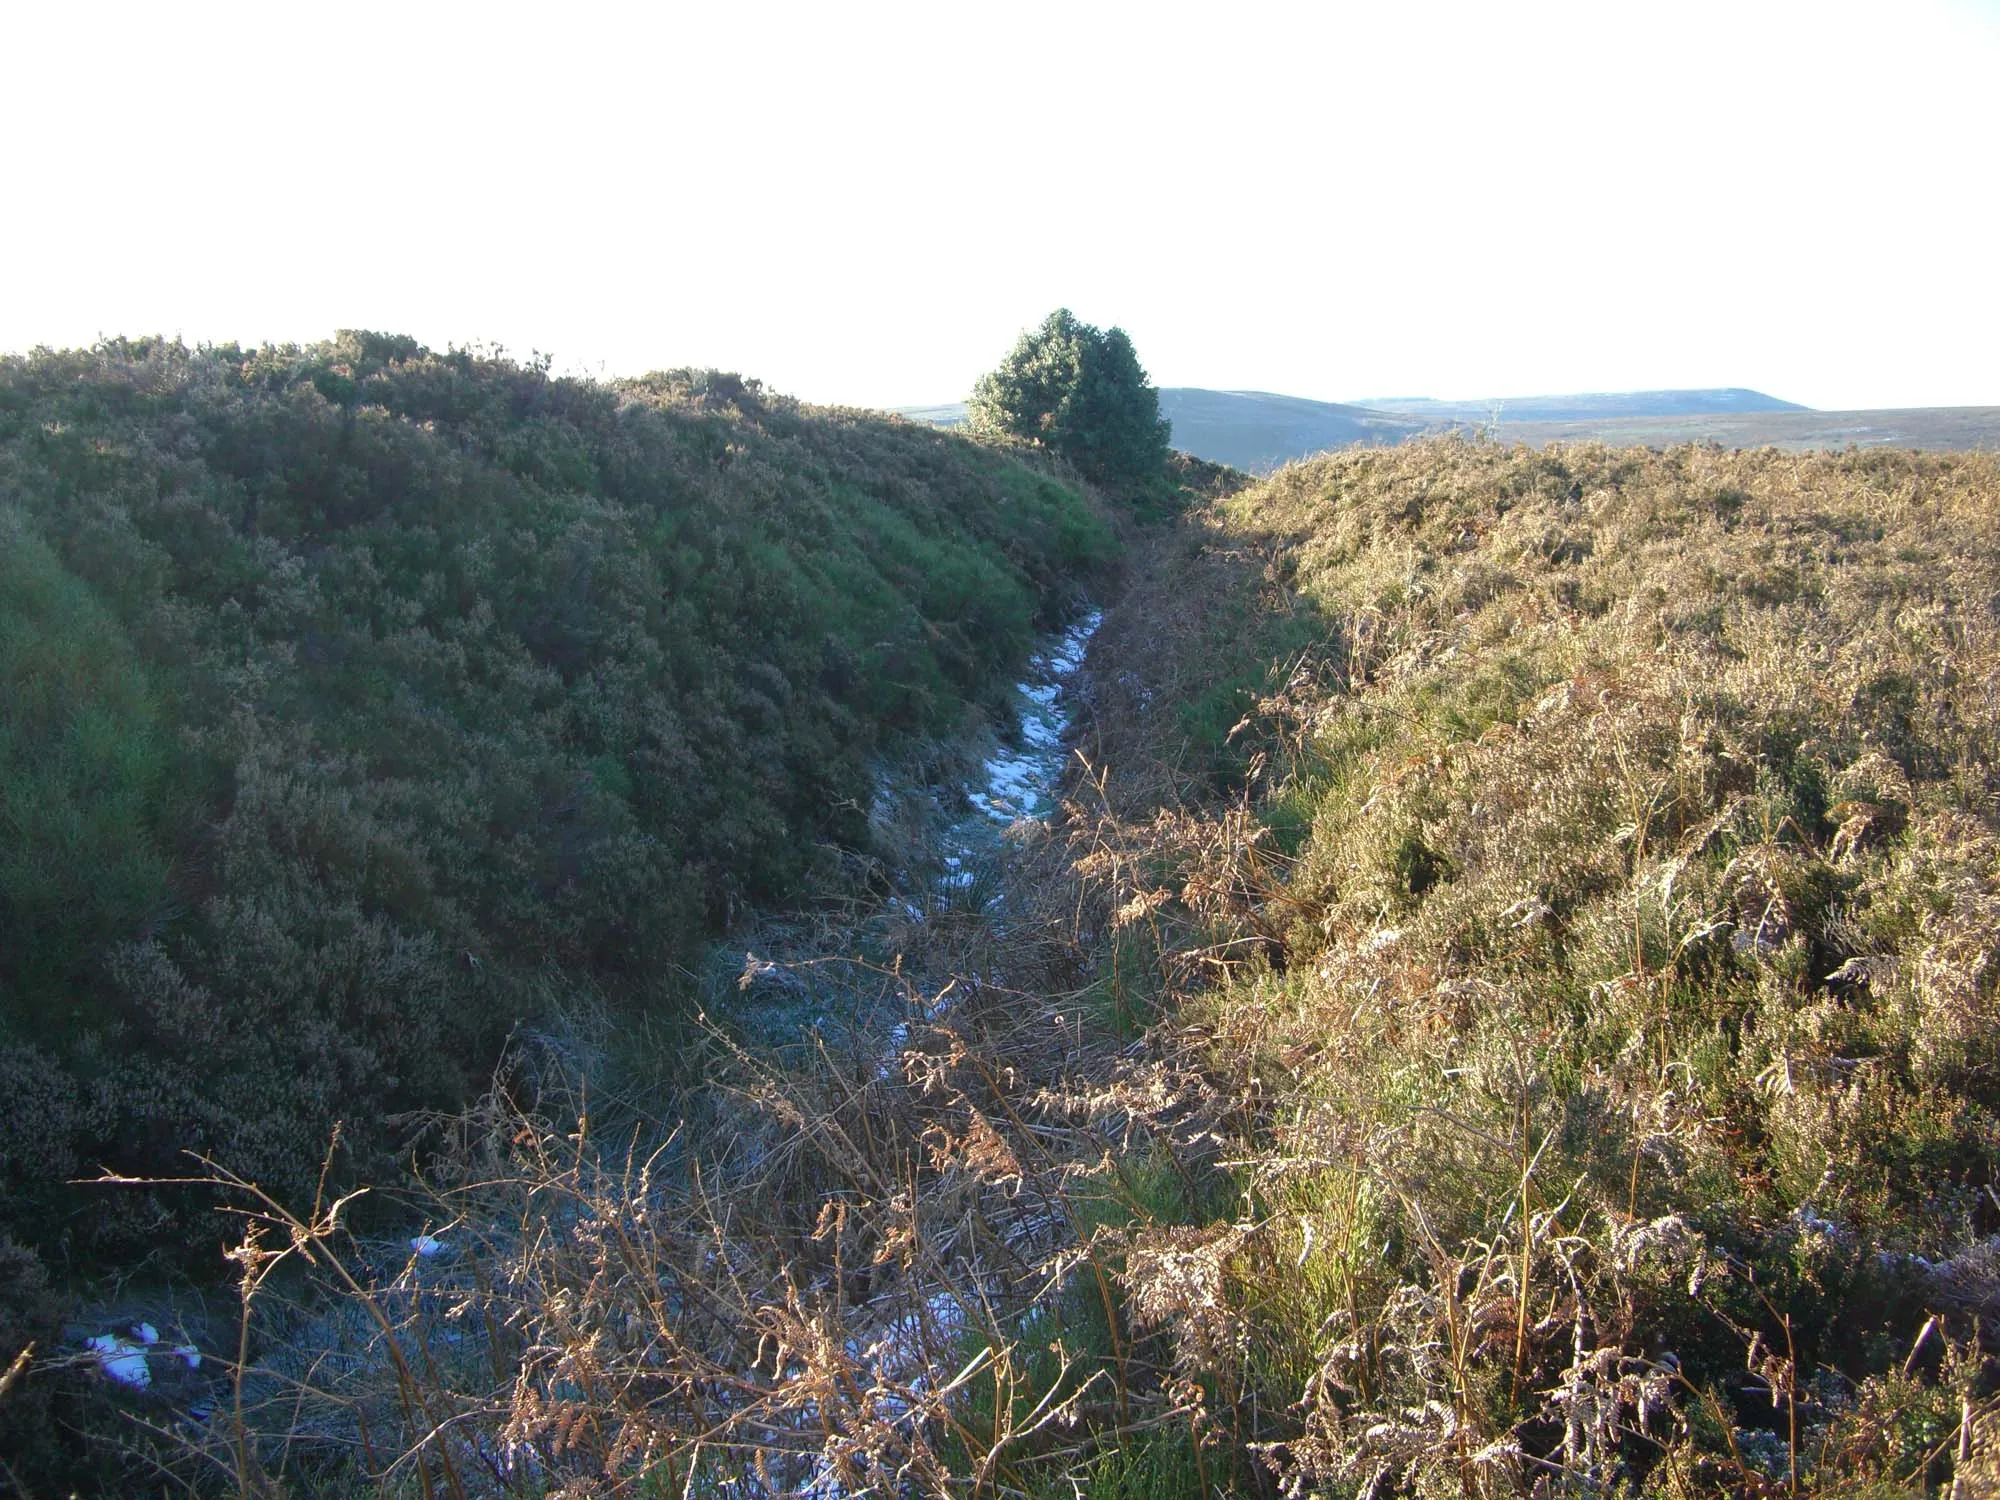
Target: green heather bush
359,701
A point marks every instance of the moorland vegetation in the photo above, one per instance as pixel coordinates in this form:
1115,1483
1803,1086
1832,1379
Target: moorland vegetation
1509,1010
364,703
1584,952
1511,1007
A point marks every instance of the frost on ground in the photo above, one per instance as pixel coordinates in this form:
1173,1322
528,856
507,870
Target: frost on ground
1022,783
845,1368
895,1359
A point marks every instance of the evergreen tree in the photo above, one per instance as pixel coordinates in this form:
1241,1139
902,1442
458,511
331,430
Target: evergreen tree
1080,392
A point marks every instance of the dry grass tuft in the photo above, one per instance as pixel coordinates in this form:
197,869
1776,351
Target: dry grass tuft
1599,934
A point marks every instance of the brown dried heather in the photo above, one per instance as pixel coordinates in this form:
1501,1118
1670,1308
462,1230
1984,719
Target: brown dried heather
1605,941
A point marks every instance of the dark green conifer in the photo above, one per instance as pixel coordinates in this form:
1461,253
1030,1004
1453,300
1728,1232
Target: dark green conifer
1078,391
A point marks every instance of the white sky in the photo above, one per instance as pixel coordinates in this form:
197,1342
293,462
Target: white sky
866,202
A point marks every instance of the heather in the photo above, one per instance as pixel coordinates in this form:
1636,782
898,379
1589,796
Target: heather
367,705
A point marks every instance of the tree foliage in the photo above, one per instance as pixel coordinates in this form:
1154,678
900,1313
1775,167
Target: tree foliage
1080,392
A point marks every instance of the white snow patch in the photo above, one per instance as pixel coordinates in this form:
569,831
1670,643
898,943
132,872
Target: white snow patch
1040,733
1041,694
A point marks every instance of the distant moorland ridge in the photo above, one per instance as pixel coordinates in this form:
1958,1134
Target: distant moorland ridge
1585,407
1258,431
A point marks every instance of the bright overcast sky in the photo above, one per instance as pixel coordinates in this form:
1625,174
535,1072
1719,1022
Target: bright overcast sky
865,203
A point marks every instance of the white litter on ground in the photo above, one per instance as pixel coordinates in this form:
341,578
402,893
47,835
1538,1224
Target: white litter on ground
122,1357
122,1360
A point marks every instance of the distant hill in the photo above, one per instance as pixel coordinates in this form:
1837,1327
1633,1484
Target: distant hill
1255,431
1590,407
1731,416
1938,428
948,415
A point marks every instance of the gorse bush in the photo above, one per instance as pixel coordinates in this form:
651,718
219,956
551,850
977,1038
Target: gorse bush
360,699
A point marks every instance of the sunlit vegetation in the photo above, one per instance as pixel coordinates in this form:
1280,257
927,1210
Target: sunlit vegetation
1590,963
1509,1007
361,703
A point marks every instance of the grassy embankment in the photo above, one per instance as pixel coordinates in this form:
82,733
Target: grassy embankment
363,704
1584,959
1558,894
1558,891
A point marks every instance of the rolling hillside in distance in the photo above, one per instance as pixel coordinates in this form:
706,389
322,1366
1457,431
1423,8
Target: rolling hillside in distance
1937,429
1592,407
1258,431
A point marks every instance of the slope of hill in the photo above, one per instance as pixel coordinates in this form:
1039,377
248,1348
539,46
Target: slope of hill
359,703
1592,407
1936,428
1589,951
949,414
1254,431
1257,432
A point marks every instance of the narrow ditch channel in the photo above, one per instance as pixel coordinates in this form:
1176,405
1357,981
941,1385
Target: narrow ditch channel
965,870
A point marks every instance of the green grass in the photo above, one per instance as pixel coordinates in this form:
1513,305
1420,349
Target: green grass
1083,1347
